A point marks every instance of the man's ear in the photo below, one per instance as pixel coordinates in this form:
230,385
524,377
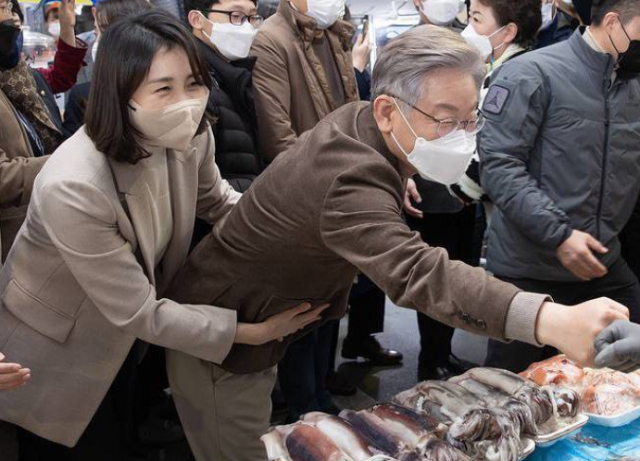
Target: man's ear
383,108
196,20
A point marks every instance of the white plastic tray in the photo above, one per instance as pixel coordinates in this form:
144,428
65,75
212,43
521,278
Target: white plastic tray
528,449
615,421
546,440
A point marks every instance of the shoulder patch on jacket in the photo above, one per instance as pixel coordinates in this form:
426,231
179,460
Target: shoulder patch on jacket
496,99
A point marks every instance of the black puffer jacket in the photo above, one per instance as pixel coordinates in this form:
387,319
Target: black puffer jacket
231,105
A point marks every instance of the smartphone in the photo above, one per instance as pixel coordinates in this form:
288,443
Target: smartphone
365,26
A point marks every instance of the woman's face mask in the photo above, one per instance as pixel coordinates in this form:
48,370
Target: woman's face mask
481,42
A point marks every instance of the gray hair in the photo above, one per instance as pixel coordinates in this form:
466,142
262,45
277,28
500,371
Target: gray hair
408,60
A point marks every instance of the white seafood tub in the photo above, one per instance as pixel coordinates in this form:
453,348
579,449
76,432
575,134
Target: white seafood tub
548,439
617,420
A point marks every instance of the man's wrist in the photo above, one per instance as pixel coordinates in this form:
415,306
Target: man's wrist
549,324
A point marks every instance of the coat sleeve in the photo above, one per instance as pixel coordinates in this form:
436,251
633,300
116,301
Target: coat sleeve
16,178
361,222
81,222
68,61
272,95
216,197
515,109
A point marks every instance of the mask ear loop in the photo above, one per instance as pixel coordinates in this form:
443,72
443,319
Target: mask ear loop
493,49
393,136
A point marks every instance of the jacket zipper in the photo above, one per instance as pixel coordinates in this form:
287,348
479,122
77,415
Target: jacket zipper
605,157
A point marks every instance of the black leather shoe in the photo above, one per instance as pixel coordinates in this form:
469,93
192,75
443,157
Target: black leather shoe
460,366
371,350
435,373
338,385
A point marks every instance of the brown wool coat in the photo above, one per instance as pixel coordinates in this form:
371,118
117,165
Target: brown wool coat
327,208
290,86
18,170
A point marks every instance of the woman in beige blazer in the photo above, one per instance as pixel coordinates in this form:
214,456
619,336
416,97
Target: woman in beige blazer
109,224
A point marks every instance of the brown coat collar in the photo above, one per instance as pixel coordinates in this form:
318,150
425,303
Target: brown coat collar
370,135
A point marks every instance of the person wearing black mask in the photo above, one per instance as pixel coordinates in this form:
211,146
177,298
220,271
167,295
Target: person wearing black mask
561,164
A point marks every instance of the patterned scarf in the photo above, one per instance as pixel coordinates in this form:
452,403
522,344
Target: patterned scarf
20,87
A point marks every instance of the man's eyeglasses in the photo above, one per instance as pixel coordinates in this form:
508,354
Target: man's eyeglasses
449,125
238,18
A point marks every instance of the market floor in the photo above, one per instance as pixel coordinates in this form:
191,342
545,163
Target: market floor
400,333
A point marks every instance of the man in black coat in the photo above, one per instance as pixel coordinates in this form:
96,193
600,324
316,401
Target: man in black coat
225,36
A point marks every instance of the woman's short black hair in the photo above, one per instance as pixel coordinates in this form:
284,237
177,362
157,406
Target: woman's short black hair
526,14
127,50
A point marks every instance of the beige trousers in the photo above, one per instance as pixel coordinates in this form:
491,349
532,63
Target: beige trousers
223,414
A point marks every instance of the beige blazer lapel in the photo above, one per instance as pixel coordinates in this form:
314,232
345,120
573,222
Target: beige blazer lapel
130,181
183,182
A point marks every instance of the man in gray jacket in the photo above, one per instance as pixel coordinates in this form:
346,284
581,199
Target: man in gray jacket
560,158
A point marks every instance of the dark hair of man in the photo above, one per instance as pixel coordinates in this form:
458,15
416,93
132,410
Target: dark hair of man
202,5
110,11
526,14
627,9
127,50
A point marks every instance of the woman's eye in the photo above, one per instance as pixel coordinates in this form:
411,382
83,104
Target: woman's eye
194,85
164,89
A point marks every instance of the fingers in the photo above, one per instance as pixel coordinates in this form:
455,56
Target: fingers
14,380
621,309
360,40
412,211
606,337
415,194
595,245
301,309
595,267
608,357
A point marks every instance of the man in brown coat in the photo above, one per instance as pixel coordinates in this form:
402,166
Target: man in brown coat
303,72
331,207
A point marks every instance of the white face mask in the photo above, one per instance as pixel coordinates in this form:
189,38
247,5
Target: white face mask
172,127
325,12
54,29
442,12
481,42
233,42
444,160
548,15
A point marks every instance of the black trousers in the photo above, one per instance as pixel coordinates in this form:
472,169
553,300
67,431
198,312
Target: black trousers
8,442
366,312
461,235
303,371
620,284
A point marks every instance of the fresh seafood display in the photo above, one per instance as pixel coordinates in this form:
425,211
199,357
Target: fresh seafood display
393,429
540,402
520,413
602,392
475,429
558,370
485,414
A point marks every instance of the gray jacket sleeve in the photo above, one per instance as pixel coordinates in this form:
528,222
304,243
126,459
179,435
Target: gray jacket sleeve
515,108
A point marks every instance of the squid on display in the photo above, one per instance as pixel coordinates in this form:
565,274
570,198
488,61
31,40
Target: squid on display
475,429
344,435
540,402
393,429
519,411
